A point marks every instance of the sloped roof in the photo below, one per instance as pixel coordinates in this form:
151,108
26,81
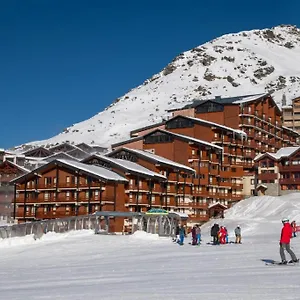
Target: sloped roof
15,165
57,154
186,138
131,140
291,130
157,158
90,170
202,121
128,165
226,100
282,152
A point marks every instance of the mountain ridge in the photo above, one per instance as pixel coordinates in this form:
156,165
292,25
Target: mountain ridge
247,62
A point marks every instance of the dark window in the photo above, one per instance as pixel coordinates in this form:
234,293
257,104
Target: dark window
158,138
180,123
209,107
48,180
126,156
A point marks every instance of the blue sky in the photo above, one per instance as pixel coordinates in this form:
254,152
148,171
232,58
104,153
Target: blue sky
62,62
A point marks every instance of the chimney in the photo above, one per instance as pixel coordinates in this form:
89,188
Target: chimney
283,100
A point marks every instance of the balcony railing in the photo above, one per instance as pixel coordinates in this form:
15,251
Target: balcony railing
289,181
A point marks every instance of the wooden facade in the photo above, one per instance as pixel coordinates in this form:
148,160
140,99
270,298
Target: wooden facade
279,172
8,172
64,188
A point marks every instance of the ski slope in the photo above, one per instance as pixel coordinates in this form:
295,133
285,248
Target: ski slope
82,265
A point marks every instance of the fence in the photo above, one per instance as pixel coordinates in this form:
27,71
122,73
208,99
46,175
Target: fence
55,225
99,222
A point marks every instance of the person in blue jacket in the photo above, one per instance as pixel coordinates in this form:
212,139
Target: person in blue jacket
182,234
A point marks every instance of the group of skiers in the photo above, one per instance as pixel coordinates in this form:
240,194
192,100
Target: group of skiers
219,234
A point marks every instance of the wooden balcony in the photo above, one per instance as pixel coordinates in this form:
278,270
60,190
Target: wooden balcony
199,218
292,168
267,176
193,205
289,181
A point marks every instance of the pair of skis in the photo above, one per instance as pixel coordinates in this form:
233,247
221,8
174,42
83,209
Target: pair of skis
271,262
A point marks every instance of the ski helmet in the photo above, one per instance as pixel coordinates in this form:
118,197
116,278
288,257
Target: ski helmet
285,220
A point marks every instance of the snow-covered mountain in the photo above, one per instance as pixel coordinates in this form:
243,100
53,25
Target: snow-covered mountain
243,63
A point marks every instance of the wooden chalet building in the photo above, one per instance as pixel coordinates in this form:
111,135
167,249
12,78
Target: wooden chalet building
231,167
181,192
145,188
64,188
279,173
257,115
8,172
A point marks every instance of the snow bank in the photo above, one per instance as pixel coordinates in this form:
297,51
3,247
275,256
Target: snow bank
259,215
49,237
142,235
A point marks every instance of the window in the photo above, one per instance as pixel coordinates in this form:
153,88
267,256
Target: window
180,123
252,181
48,180
46,196
158,137
209,107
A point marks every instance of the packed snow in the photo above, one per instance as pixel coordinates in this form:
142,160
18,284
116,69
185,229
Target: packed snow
244,63
82,265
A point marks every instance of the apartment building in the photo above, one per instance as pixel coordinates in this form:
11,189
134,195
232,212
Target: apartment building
291,115
278,173
64,188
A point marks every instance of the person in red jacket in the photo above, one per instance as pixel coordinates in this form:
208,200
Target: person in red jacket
285,238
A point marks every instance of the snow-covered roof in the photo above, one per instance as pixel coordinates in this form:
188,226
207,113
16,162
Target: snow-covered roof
282,152
240,132
216,204
261,185
92,169
160,159
55,156
292,130
17,166
89,169
250,98
131,166
287,107
191,139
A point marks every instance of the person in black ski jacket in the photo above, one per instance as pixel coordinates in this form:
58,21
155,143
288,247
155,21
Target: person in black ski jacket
214,233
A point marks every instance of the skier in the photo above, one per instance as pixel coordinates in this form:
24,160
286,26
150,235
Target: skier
194,236
238,235
222,235
285,238
176,237
181,235
226,235
214,233
198,234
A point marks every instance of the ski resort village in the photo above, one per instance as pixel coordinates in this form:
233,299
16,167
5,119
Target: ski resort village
187,187
201,161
